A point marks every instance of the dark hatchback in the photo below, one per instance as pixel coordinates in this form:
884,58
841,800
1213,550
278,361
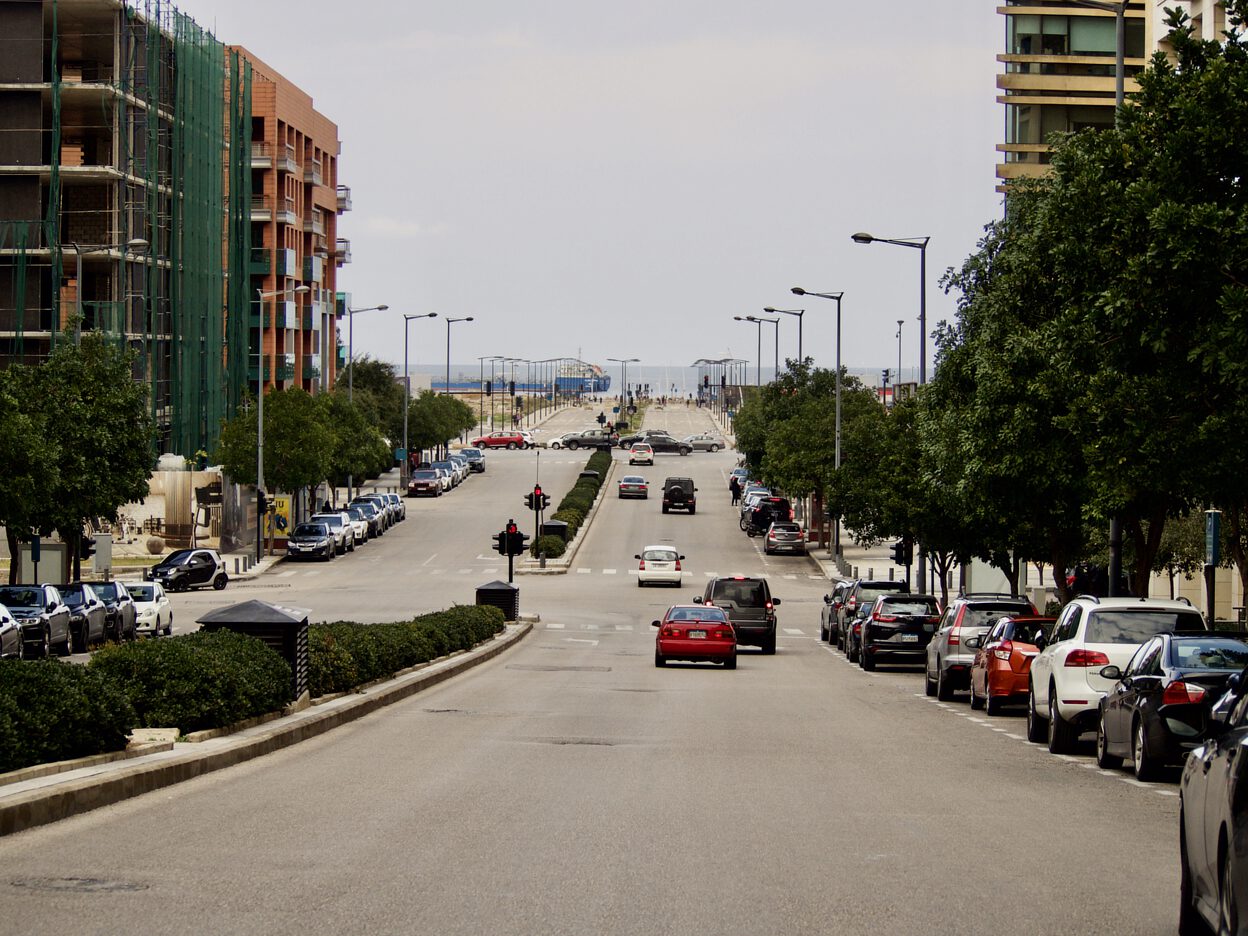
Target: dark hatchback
42,615
121,616
1158,710
897,629
86,615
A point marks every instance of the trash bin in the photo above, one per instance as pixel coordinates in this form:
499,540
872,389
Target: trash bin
555,528
589,473
283,629
501,595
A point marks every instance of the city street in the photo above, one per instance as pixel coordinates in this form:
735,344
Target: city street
570,786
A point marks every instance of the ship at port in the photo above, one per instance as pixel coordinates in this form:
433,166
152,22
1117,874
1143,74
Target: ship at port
579,377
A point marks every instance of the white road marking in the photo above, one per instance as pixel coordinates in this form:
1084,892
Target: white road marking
591,626
623,627
978,721
1165,792
634,571
430,559
790,576
553,626
608,571
436,572
1016,737
581,640
313,572
1002,730
584,571
794,631
465,571
287,574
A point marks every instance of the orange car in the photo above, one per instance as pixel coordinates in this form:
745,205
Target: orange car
1002,662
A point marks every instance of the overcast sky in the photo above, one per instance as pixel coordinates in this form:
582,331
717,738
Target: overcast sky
620,180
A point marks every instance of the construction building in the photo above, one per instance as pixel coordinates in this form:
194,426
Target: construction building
140,162
295,203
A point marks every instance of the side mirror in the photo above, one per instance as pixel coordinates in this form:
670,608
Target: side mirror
1041,641
1111,672
973,643
680,557
697,599
776,602
636,555
656,623
827,599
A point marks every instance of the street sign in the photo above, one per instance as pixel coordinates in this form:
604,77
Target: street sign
1213,537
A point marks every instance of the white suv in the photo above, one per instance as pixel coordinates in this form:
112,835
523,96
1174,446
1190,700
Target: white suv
1092,633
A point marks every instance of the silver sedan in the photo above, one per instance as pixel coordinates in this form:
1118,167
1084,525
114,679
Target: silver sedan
705,442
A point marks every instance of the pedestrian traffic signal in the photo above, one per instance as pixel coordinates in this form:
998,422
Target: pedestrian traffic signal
723,380
489,388
500,543
706,380
544,502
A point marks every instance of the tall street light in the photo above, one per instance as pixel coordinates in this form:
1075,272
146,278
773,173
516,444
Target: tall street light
132,246
835,297
776,322
407,392
799,313
351,313
1119,9
449,323
758,360
900,322
261,295
624,362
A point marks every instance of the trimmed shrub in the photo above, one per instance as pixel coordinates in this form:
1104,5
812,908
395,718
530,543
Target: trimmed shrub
553,546
344,655
193,682
52,711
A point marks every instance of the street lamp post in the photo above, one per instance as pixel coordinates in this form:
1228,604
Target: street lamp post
836,297
799,313
449,323
624,362
758,361
776,364
1119,9
900,322
351,366
407,393
261,295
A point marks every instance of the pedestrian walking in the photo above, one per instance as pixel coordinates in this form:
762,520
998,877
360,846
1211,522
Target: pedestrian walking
735,487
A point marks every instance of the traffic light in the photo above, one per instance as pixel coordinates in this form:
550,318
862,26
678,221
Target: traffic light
86,547
500,543
706,380
511,387
544,502
489,388
902,552
723,380
535,499
515,539
262,502
530,501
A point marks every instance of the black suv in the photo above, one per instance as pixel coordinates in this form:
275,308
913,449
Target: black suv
858,601
42,615
750,607
898,627
678,494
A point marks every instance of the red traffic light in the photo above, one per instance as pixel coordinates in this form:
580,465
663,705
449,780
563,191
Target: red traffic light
537,490
511,528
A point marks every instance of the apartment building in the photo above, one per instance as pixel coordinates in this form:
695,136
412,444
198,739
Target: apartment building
295,203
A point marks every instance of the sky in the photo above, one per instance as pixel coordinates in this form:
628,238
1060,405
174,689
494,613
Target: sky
621,180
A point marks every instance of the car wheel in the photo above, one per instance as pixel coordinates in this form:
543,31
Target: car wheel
169,627
868,662
731,662
572,446
976,702
34,651
823,631
665,508
1228,912
1061,734
769,645
992,704
66,647
944,691
1145,764
1104,759
851,649
1190,921
511,445
692,511
220,581
1035,730
714,448
766,550
929,684
658,659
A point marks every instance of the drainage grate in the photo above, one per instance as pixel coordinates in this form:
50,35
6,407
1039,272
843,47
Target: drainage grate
559,669
78,885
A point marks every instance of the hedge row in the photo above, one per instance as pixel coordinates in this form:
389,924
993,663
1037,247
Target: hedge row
344,655
576,504
51,710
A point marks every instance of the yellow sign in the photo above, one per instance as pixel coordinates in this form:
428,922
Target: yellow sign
277,520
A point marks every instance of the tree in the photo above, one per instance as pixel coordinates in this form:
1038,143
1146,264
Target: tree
378,392
359,449
31,460
298,442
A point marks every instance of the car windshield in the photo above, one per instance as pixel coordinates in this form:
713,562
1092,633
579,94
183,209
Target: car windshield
424,476
698,614
660,555
73,594
867,593
332,520
985,616
909,606
471,453
743,594
786,527
106,590
179,558
311,529
355,513
449,466
142,592
1134,627
15,596
367,509
632,479
1209,653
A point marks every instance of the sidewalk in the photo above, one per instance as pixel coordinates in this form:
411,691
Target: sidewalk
49,792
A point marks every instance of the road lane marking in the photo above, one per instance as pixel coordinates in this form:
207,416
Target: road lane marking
430,559
465,571
581,640
591,626
584,571
790,576
623,627
287,574
608,571
794,631
1016,737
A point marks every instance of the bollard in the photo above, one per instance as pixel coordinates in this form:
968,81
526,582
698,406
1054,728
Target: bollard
855,572
236,565
541,559
870,572
890,573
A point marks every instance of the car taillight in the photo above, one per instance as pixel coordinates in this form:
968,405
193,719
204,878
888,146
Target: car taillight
883,617
791,514
1086,658
955,637
769,606
857,627
1004,650
641,564
667,632
1181,693
852,603
724,635
772,537
677,565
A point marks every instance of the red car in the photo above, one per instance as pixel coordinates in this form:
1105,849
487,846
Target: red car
502,439
695,632
1002,662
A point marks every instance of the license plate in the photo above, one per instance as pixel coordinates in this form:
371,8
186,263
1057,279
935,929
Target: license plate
908,638
696,634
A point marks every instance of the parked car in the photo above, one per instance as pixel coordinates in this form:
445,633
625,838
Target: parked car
154,613
1002,665
785,536
897,629
948,666
376,519
742,475
42,615
359,524
86,615
634,486
695,633
641,454
1213,823
191,568
1158,709
311,541
750,607
339,524
704,442
831,605
427,483
11,645
461,467
397,505
476,459
680,494
1064,693
658,565
765,511
452,470
119,611
859,598
504,438
379,504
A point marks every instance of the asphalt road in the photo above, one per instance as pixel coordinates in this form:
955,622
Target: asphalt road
569,786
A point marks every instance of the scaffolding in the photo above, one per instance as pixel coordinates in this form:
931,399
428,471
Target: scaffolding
139,131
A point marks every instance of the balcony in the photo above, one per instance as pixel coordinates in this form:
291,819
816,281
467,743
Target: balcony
313,173
261,156
311,367
261,209
343,251
286,368
287,263
314,224
286,213
313,269
284,317
253,371
261,262
285,159
344,198
310,321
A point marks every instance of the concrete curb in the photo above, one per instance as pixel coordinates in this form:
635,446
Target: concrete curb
50,803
